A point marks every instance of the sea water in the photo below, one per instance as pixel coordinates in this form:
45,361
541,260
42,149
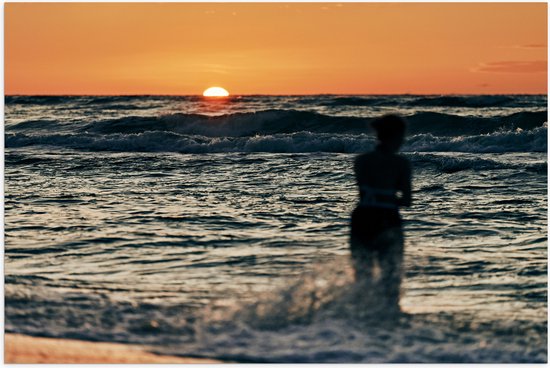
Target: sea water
220,228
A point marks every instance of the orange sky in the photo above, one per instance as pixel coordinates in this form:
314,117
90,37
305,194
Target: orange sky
275,48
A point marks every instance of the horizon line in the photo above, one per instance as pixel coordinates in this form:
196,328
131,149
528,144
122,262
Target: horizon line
274,94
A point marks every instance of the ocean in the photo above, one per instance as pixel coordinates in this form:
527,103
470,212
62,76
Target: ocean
220,228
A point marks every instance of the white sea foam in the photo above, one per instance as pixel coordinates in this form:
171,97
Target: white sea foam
159,141
326,317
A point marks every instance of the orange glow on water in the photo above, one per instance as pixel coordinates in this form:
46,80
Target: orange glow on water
275,48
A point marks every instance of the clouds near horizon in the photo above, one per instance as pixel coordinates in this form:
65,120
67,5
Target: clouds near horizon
537,66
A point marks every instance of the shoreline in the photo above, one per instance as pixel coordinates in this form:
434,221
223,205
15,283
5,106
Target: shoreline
25,349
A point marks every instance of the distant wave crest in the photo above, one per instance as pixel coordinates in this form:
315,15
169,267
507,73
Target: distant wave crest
473,101
518,140
291,121
269,122
283,131
439,101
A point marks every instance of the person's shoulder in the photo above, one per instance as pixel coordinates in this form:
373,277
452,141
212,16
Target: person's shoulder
363,157
402,158
403,161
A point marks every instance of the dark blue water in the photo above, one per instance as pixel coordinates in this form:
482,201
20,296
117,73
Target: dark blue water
219,227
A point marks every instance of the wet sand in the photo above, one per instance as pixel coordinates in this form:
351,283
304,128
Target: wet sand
32,350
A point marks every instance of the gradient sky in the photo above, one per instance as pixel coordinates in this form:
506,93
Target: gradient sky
275,48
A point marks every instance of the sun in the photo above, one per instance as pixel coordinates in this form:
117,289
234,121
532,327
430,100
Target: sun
215,92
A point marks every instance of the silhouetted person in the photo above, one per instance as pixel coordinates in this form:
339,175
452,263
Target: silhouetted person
384,180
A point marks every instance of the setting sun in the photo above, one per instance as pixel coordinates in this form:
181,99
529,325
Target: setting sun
215,92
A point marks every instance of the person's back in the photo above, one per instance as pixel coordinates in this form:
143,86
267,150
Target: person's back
385,172
384,181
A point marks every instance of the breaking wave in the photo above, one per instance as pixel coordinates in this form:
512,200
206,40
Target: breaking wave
518,140
291,121
269,122
325,316
278,130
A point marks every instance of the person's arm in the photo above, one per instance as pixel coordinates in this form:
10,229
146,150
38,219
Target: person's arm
405,186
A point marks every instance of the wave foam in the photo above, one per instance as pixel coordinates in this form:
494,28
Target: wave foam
270,122
325,317
160,141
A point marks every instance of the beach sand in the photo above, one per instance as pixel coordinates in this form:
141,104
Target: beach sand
32,350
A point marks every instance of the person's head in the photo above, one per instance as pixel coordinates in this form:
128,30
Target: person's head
390,130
